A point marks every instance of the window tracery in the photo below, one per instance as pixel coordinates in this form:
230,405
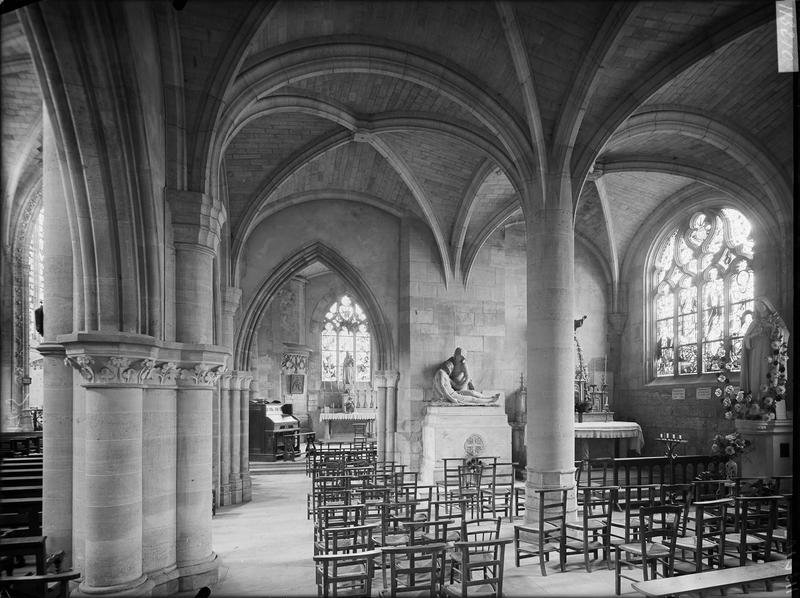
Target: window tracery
702,293
345,343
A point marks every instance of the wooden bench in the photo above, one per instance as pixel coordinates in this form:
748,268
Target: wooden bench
23,480
714,579
24,546
29,508
37,585
33,491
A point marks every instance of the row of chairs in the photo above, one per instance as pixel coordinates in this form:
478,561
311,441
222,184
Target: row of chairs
371,514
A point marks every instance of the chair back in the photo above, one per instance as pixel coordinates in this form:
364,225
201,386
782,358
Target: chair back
482,528
330,516
417,569
345,573
659,525
350,538
482,565
755,520
469,478
681,495
711,518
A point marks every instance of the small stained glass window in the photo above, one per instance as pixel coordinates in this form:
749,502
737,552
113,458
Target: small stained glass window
345,343
703,291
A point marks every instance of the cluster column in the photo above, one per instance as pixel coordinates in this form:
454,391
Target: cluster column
110,516
385,383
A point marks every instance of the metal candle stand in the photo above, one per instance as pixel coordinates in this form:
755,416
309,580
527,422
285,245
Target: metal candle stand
671,441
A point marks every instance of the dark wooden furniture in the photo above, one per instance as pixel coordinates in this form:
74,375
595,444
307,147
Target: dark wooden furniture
25,546
38,585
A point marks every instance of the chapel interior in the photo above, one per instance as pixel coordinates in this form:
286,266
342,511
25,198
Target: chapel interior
238,234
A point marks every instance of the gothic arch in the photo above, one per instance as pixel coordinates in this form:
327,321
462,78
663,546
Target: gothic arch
384,355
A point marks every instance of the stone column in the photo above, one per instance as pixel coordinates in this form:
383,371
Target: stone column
197,563
224,436
196,222
616,325
249,390
379,381
159,479
550,435
231,297
57,403
235,437
112,509
391,414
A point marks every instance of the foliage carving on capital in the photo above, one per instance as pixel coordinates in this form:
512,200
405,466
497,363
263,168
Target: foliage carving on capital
166,373
83,364
114,369
294,363
202,374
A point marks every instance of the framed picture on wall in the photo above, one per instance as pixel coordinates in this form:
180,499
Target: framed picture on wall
296,384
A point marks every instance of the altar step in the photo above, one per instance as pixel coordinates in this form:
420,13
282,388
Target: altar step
278,467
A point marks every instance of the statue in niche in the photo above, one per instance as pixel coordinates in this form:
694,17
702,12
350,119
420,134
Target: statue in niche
459,374
763,365
444,389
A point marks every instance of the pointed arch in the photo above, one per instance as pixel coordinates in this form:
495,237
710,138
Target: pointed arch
384,354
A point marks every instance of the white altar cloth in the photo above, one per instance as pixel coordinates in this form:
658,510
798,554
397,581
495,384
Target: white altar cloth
630,430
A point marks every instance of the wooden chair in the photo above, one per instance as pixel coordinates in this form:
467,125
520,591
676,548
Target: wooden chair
592,532
755,519
782,534
345,574
678,494
498,495
473,531
482,565
331,516
417,570
655,523
705,545
545,538
469,485
631,500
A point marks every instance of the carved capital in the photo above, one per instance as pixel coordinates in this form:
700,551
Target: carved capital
201,374
386,378
111,370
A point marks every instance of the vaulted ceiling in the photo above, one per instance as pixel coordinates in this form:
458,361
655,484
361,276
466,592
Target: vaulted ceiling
446,110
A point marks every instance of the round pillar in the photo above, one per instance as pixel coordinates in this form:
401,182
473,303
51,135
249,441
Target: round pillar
550,435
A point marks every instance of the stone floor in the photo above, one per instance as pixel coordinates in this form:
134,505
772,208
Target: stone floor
265,549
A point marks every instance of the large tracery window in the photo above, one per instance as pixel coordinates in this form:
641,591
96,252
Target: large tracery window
345,343
702,287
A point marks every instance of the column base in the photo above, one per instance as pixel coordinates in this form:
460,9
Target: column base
165,581
197,575
235,489
224,495
538,480
247,487
142,586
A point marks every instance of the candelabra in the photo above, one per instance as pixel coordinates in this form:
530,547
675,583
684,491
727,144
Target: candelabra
671,441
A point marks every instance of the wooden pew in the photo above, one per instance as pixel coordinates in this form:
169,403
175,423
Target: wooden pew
713,579
28,508
25,546
23,480
33,491
37,585
16,472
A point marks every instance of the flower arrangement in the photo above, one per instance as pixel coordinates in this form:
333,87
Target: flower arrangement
741,405
729,446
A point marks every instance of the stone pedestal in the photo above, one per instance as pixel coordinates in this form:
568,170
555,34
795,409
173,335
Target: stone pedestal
771,453
462,431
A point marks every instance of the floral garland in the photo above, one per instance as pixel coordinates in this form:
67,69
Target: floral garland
729,446
740,405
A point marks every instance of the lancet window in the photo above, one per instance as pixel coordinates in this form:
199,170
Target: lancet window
702,296
345,343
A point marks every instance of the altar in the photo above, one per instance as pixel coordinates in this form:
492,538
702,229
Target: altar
585,431
368,417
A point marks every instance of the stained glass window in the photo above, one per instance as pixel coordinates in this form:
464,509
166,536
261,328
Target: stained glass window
35,275
703,290
345,343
